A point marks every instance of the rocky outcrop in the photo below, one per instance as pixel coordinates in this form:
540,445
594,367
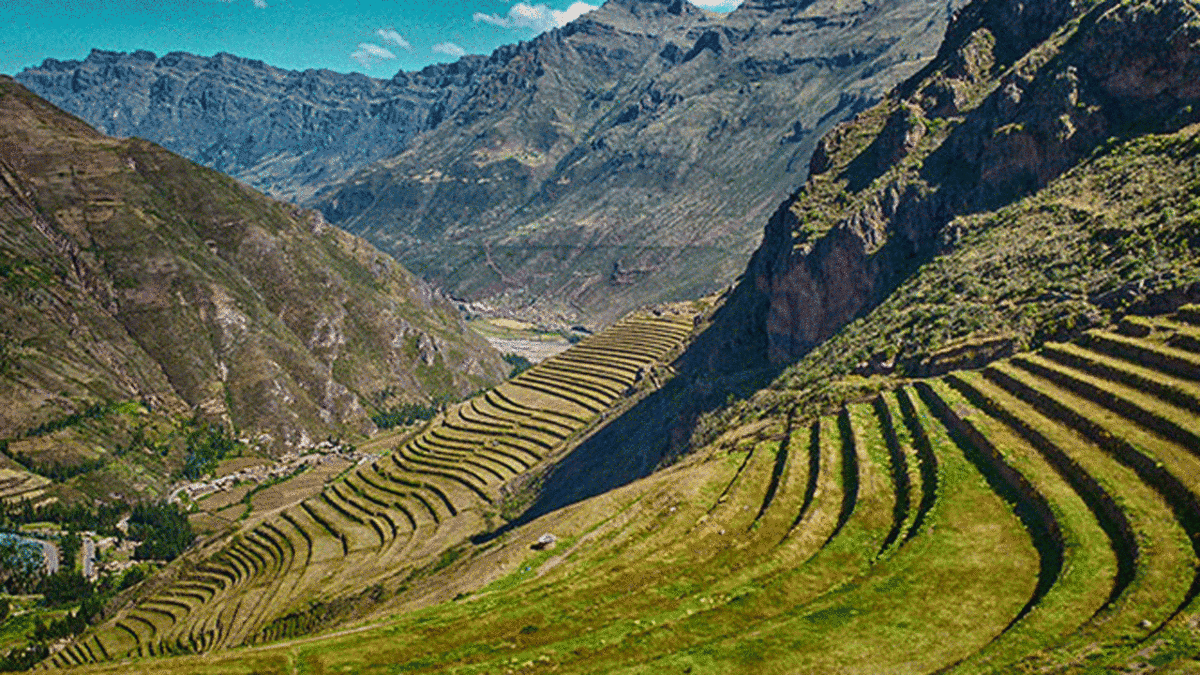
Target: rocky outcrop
1019,94
129,273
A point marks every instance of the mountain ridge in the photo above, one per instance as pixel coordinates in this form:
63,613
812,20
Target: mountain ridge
642,190
130,274
598,167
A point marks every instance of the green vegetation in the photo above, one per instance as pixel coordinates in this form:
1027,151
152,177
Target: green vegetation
1054,495
403,415
94,411
61,592
102,518
207,445
519,364
381,529
57,471
163,530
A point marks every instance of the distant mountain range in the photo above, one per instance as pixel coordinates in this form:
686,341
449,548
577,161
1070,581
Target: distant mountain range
626,158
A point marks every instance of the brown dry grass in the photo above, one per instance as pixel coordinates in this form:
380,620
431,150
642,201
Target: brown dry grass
297,488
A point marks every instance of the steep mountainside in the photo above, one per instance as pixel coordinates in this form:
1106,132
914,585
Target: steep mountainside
625,158
620,160
130,274
286,133
1039,177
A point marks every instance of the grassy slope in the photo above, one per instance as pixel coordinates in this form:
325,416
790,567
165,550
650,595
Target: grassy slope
1122,226
770,550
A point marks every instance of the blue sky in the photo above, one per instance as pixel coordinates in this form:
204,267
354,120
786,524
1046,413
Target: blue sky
377,37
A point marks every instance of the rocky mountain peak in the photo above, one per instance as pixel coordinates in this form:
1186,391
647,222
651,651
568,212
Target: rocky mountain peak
642,16
574,175
647,8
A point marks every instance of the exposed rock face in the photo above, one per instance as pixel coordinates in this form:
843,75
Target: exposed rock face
130,273
620,160
1017,96
285,132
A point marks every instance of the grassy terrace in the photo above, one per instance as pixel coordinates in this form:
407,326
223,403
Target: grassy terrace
1039,515
381,528
20,485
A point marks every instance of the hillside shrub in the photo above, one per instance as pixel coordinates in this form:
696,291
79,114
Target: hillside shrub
519,364
403,414
94,411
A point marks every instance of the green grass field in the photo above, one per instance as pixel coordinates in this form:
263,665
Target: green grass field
1041,514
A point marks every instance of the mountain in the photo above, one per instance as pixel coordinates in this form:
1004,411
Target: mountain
287,133
620,160
1037,179
860,464
128,273
624,158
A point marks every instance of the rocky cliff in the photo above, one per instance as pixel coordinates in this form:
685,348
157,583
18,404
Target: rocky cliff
129,273
623,159
287,133
1021,96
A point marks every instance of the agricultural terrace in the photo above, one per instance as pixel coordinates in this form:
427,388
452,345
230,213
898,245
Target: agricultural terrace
381,524
1039,515
17,486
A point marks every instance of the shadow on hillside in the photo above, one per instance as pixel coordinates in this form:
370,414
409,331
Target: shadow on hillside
657,430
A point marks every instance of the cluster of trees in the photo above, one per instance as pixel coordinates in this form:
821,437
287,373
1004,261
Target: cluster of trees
207,445
519,364
65,588
101,519
58,471
162,528
92,412
405,413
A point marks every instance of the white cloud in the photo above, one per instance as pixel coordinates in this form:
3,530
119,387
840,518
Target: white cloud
261,4
367,54
449,49
390,35
536,17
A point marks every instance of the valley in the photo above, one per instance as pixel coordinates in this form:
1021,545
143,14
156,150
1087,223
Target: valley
811,337
625,159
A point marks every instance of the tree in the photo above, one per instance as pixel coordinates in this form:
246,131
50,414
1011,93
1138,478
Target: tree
164,530
69,548
65,587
